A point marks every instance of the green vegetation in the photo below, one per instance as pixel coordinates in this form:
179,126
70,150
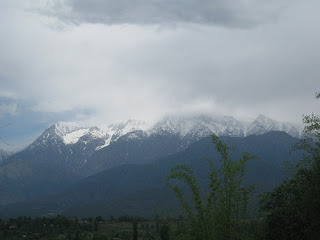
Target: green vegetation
293,208
121,228
220,215
61,227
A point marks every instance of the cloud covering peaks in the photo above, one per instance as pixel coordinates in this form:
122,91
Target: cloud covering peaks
104,61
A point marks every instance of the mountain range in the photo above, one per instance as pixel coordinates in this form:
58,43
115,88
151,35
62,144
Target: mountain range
139,189
186,128
80,149
64,154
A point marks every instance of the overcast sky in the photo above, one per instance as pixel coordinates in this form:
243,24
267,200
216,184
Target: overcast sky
102,61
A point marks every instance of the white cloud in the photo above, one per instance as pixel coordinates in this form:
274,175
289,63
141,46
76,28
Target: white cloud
113,72
8,109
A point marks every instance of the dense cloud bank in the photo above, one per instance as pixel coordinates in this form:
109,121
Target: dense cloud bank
113,60
226,13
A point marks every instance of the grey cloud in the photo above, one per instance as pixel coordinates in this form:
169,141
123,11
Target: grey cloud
6,109
240,13
136,71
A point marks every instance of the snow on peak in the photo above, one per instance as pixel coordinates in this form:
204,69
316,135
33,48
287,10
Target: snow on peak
73,137
196,125
125,127
63,128
96,132
70,132
183,126
92,132
202,125
265,120
263,124
116,130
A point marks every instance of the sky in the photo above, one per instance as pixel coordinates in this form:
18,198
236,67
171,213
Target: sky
103,61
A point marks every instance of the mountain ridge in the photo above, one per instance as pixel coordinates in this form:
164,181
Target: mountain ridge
69,152
129,188
222,126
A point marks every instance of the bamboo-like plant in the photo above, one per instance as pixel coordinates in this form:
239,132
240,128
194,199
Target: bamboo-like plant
218,215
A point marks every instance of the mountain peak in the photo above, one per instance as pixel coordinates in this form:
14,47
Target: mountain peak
229,118
189,126
262,117
63,128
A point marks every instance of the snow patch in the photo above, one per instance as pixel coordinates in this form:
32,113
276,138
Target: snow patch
63,128
74,137
107,143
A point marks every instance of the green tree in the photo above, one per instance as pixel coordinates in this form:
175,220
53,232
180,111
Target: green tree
293,208
165,232
135,230
218,215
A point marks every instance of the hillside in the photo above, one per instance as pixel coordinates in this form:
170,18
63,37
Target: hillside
66,153
139,189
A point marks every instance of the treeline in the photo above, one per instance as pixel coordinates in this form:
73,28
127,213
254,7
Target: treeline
98,228
48,228
61,227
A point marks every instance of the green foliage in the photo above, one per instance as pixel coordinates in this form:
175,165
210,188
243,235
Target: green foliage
135,230
218,215
165,232
293,208
79,229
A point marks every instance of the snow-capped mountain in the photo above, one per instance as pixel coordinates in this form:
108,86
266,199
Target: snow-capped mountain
71,134
185,127
81,143
114,131
77,148
65,152
263,124
199,126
